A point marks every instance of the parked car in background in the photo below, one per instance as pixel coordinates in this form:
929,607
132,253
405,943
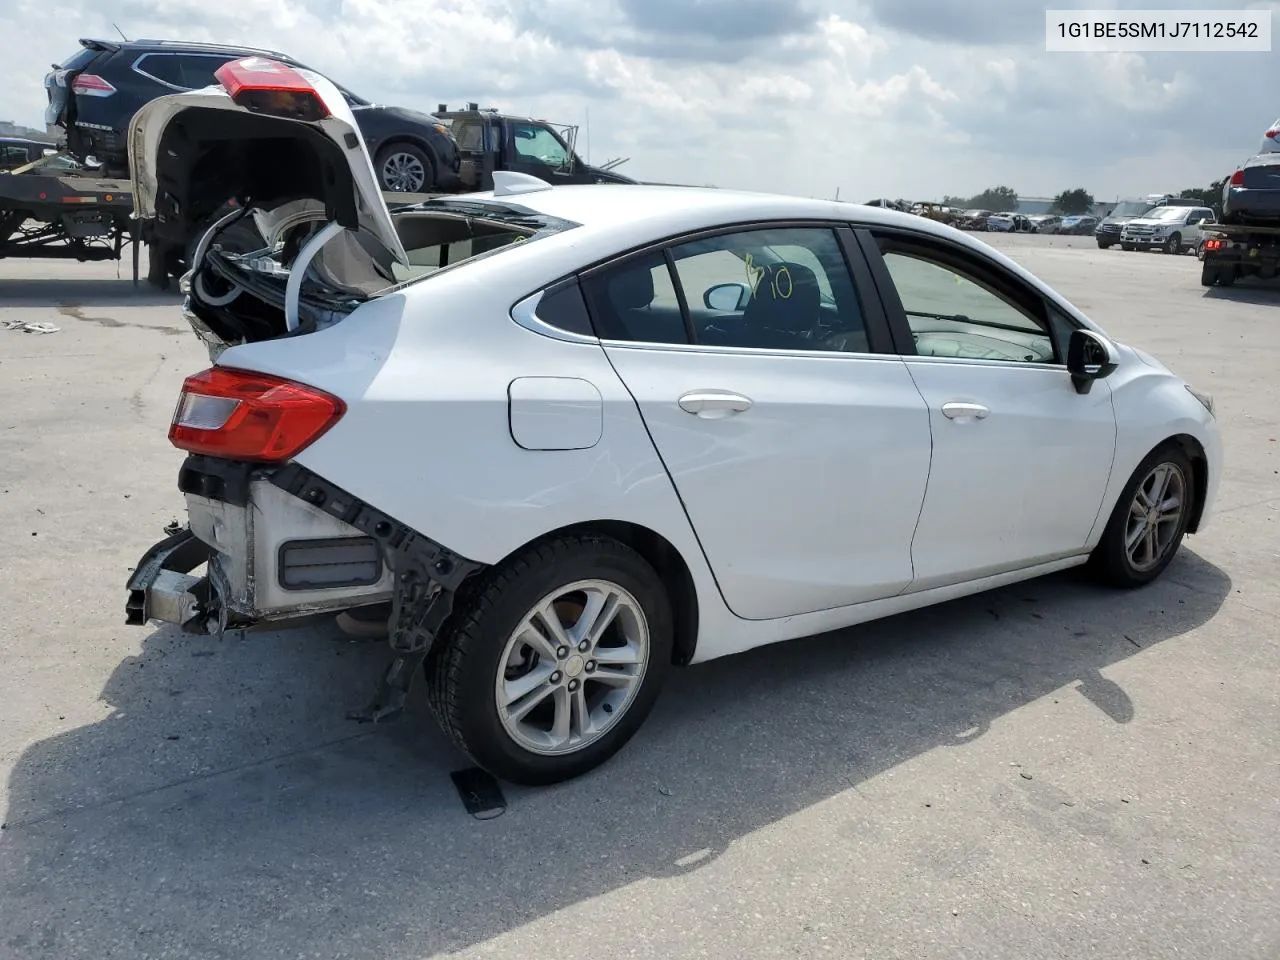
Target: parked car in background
96,91
974,219
1168,228
1045,222
1108,229
488,141
1078,224
1010,223
1251,195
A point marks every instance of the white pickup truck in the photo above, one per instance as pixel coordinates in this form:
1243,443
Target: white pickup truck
1173,229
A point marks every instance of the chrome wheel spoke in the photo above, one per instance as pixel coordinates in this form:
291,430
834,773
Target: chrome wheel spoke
600,610
562,725
612,677
532,698
550,620
1136,534
536,640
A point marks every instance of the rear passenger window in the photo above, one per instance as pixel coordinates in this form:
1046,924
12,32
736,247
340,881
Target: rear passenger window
636,300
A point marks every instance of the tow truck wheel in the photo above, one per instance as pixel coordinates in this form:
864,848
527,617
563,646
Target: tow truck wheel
1208,275
404,168
553,659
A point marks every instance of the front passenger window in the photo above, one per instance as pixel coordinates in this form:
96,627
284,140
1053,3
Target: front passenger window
952,315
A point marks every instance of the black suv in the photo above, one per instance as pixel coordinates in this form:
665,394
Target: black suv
94,93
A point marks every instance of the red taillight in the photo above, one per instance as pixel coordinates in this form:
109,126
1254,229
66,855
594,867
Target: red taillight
89,85
1237,178
271,87
1214,244
1273,132
242,415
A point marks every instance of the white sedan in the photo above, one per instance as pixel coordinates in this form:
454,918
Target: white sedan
577,435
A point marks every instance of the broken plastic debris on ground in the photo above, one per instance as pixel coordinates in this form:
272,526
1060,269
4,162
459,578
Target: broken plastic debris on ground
31,326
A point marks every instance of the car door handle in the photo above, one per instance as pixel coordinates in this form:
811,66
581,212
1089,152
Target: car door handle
714,404
957,410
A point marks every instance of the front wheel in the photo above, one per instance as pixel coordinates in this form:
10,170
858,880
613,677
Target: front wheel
1173,244
554,659
404,168
1103,245
1149,520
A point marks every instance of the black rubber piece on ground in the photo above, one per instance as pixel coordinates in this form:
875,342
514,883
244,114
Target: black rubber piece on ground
481,794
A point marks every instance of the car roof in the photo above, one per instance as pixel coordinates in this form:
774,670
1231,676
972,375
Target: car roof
649,211
181,46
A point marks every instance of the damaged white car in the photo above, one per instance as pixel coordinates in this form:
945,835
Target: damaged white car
573,436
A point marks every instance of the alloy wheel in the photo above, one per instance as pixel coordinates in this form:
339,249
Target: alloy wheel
572,667
403,173
1155,516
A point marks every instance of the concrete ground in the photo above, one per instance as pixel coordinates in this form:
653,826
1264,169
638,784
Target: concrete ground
1052,770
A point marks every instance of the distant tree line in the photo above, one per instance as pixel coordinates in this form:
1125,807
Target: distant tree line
1077,200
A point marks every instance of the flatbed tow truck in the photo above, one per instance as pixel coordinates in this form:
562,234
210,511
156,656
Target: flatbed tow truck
71,215
64,214
1232,251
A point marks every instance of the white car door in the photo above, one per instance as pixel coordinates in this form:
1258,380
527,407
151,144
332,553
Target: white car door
1020,459
800,454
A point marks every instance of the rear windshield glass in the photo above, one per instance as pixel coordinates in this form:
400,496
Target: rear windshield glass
79,60
440,234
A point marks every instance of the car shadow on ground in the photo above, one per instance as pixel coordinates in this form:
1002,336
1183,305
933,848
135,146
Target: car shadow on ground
1247,290
85,293
222,806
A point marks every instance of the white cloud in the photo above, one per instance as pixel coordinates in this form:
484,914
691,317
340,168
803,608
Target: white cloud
883,102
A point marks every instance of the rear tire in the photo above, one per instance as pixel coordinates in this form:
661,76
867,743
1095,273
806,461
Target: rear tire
519,691
1208,276
1149,520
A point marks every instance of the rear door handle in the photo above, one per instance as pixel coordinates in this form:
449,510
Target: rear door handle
957,410
714,404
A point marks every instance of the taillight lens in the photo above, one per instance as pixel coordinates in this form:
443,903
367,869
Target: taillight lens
271,87
1237,178
1273,132
240,415
90,85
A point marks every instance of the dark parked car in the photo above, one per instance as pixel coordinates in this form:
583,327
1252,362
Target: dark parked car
94,93
19,151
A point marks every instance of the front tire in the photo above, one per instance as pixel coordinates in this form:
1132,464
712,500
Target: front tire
1173,244
404,168
532,690
1149,520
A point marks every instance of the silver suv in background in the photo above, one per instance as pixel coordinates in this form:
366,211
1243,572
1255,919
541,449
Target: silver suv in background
1172,229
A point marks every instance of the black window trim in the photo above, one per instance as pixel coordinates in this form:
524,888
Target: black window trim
879,341
1021,295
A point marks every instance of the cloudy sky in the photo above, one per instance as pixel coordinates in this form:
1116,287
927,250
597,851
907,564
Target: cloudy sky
912,98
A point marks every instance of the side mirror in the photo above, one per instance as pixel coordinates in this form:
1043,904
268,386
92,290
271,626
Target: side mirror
1090,357
728,297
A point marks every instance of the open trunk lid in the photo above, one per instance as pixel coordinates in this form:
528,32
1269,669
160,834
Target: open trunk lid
269,132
